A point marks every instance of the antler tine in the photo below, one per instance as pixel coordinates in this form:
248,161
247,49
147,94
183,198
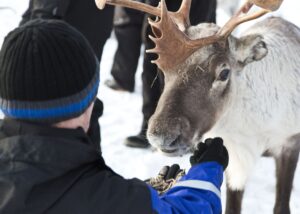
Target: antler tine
240,17
181,17
268,4
130,4
183,14
167,30
170,41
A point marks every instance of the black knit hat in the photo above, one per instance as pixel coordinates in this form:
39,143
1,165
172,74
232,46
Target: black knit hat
48,72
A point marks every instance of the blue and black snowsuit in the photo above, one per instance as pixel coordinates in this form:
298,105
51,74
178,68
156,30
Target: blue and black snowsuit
50,170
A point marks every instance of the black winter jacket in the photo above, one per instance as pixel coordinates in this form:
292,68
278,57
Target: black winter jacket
50,170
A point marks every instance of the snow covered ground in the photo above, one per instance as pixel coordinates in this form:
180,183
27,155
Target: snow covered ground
122,117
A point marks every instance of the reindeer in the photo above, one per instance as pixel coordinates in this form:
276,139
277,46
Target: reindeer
246,90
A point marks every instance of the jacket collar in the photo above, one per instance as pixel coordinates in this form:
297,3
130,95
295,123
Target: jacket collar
14,127
41,144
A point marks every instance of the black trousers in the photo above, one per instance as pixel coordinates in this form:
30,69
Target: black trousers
128,24
94,24
128,35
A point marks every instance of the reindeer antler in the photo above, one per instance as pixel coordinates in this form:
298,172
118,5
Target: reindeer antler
169,40
181,17
130,4
268,4
172,45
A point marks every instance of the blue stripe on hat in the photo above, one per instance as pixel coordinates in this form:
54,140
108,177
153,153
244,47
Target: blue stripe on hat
54,112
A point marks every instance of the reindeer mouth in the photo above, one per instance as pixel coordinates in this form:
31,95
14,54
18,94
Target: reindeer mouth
175,152
175,148
170,145
169,151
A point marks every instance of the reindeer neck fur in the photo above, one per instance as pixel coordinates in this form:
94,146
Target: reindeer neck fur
263,111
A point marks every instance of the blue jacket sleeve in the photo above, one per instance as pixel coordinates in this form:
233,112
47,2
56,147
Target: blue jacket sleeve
197,192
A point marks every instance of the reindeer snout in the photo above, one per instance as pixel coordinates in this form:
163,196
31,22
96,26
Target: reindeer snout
168,135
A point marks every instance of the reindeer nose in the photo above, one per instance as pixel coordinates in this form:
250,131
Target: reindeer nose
167,135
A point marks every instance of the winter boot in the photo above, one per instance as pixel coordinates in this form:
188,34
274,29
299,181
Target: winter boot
113,84
138,141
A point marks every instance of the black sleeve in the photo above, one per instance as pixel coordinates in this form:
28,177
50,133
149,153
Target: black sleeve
94,190
102,192
94,129
48,9
131,196
63,6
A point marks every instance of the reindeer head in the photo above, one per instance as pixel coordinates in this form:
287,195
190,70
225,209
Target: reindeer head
199,91
198,63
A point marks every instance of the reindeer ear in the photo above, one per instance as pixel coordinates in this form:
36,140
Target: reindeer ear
249,48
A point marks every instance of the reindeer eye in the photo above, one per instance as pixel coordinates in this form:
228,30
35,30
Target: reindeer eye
224,75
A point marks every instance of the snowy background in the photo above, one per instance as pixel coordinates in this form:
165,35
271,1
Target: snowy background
122,117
